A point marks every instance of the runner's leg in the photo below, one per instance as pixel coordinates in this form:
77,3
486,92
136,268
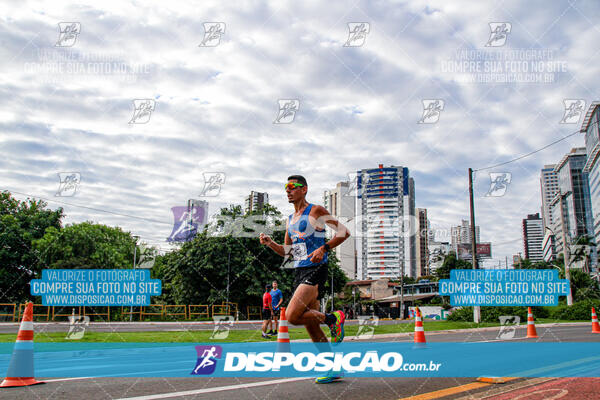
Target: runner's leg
299,311
314,328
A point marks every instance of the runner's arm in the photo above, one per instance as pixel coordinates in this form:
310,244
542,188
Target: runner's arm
277,248
323,217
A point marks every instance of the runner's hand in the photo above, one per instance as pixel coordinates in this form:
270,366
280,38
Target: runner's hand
265,239
317,255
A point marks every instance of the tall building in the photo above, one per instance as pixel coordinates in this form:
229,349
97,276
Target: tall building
341,205
422,242
255,201
574,194
592,165
385,223
533,237
437,253
548,188
461,234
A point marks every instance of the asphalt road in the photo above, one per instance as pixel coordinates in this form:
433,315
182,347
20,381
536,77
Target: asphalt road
347,389
10,327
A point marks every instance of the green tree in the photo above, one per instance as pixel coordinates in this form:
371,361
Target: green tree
85,245
21,222
229,251
451,262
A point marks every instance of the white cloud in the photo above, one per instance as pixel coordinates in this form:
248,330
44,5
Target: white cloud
215,106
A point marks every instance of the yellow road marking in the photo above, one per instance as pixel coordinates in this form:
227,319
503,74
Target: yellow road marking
451,390
448,391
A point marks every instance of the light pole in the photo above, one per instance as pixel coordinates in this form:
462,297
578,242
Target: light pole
354,301
476,309
134,257
332,298
566,252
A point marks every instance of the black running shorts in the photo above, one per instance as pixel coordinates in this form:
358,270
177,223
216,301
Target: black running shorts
266,314
312,276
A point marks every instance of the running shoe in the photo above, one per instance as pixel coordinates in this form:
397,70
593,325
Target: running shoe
265,336
331,377
337,328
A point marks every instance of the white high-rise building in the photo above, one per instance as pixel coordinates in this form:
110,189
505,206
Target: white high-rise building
533,237
255,201
548,188
340,203
461,234
385,223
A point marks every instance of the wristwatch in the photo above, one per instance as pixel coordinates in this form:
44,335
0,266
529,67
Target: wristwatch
327,248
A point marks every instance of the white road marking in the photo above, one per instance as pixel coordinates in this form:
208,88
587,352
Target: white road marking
68,379
214,389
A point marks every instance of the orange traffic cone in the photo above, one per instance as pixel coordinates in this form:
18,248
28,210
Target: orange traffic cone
531,332
283,336
20,368
595,325
419,332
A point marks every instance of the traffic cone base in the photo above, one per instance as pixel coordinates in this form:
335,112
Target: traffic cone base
283,336
531,332
14,382
595,325
20,368
419,331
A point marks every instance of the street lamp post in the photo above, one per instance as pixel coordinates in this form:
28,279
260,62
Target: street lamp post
134,260
476,309
566,252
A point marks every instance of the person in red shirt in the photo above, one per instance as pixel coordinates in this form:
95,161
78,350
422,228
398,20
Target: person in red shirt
267,312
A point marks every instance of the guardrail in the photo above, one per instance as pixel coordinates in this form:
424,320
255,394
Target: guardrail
13,315
125,313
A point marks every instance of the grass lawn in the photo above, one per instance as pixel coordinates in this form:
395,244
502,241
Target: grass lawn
242,335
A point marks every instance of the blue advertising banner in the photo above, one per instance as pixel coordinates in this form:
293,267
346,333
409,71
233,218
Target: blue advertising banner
501,287
95,287
390,359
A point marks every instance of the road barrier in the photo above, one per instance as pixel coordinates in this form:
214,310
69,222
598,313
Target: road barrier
93,312
22,307
154,309
68,311
253,311
157,311
13,314
174,310
204,310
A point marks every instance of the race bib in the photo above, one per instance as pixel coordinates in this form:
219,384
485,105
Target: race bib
299,251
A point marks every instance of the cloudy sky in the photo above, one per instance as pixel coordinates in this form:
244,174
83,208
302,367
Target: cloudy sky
68,102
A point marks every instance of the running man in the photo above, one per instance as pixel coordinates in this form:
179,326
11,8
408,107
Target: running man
267,312
305,240
277,299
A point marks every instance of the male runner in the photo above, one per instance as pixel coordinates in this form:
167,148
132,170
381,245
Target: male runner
277,299
305,240
267,312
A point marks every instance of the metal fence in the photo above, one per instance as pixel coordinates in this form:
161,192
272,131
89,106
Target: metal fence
14,312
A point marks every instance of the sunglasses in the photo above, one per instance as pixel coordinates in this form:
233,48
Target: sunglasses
292,185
